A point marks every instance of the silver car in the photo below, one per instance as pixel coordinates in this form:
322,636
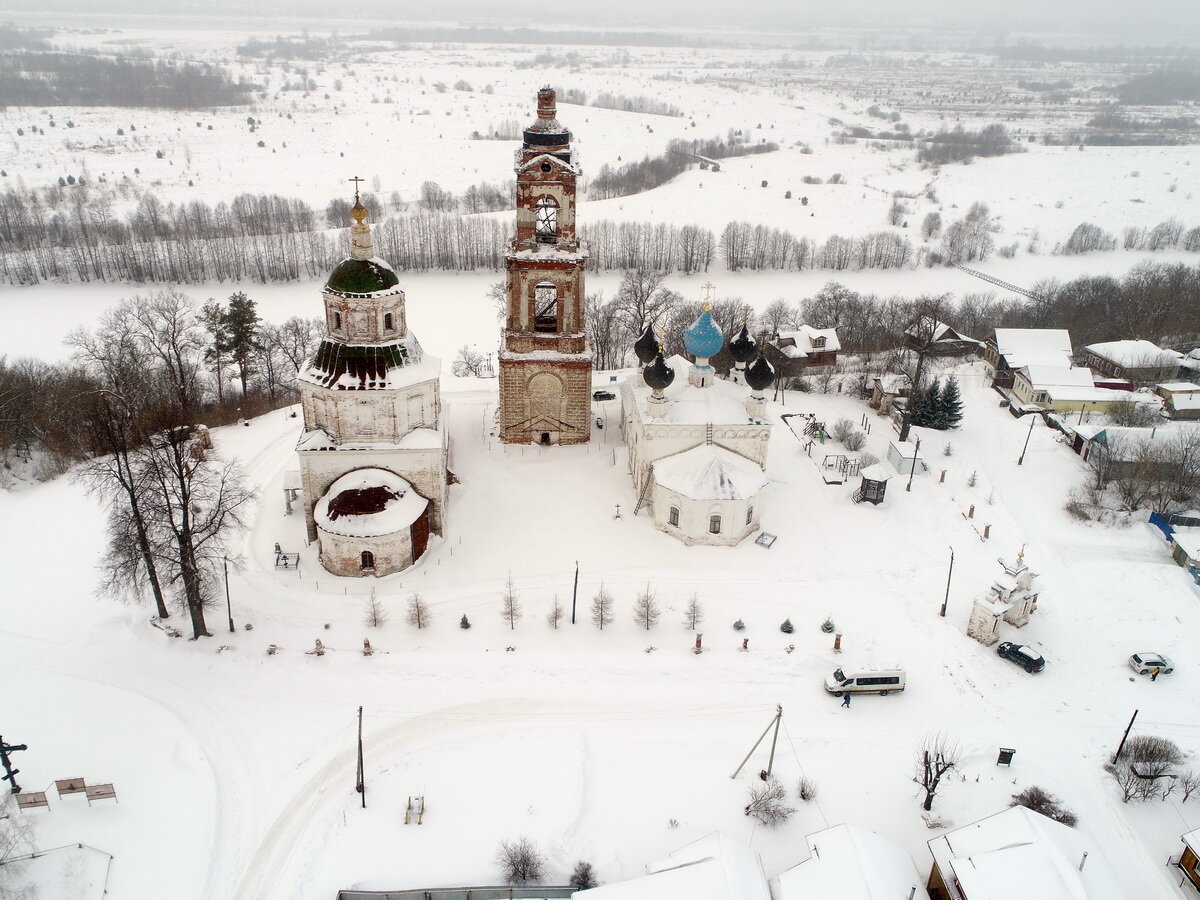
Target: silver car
1146,663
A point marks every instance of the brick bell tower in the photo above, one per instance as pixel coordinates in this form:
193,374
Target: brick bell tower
545,363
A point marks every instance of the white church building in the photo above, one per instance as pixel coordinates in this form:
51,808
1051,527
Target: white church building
374,452
697,444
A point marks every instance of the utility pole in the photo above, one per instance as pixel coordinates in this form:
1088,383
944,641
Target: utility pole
10,774
575,592
228,608
773,723
1121,746
1032,419
361,784
913,469
950,574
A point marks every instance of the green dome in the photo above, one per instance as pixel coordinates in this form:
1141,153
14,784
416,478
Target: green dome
361,276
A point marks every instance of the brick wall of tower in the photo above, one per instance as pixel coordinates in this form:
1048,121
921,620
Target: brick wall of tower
518,423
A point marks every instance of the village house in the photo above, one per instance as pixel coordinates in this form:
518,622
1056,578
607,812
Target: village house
712,868
850,863
1120,450
886,389
1137,362
939,339
1019,853
1189,861
793,353
1008,349
1181,399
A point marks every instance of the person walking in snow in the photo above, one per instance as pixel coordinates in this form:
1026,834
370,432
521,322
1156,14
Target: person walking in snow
845,700
1154,673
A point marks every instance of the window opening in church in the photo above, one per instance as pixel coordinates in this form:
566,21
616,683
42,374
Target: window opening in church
714,524
387,322
674,517
545,308
337,321
368,560
547,221
749,514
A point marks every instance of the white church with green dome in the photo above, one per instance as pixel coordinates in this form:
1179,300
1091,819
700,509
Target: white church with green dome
374,452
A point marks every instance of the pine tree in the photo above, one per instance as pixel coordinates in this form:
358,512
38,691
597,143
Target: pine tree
241,323
951,403
212,315
928,406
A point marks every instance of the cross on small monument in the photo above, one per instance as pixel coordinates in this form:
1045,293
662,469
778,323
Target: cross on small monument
10,774
357,181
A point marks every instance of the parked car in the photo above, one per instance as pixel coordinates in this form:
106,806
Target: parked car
1023,656
603,395
1146,663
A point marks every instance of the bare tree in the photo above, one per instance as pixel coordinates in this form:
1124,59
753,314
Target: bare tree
418,612
16,840
693,614
1187,782
602,608
520,861
936,755
645,610
1042,801
1145,769
583,877
769,803
511,608
468,363
374,612
554,617
641,299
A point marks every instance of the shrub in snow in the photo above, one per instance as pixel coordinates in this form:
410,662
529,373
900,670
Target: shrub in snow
583,877
948,450
464,622
786,627
739,625
827,626
520,861
867,459
807,789
768,803
1042,801
973,479
1145,767
855,440
842,429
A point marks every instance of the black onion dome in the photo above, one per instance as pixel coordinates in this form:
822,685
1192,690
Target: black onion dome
646,346
742,348
760,374
658,374
547,132
361,276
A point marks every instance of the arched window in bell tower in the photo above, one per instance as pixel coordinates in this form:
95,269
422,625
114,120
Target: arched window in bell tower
545,308
388,322
547,221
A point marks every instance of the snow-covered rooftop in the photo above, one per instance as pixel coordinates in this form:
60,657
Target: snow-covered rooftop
1021,853
709,472
850,863
1179,387
1034,346
800,343
1188,540
721,403
1095,394
1133,354
1044,376
712,868
398,507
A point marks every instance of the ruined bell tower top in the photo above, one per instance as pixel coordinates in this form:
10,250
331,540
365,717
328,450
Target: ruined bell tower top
547,134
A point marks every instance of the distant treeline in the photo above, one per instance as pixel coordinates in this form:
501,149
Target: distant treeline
497,35
30,78
1035,53
652,171
1174,82
305,47
960,145
1167,235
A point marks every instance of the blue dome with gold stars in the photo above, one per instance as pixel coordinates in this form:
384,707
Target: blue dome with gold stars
704,339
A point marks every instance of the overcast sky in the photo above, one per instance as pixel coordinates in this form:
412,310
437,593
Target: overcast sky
1177,20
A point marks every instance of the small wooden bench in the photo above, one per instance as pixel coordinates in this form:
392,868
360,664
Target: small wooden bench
32,800
70,786
101,792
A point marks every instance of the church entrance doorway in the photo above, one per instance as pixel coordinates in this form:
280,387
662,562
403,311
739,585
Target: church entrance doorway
544,440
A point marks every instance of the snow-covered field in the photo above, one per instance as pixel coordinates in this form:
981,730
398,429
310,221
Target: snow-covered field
235,769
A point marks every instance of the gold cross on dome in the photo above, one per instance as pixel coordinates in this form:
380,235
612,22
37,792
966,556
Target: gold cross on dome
357,181
708,289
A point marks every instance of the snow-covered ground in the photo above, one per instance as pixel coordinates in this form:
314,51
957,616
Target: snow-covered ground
235,769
